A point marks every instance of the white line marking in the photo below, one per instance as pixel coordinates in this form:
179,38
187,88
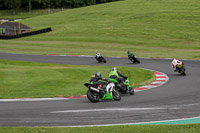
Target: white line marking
100,110
133,123
32,99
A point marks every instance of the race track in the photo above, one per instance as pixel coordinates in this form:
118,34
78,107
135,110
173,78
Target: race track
178,98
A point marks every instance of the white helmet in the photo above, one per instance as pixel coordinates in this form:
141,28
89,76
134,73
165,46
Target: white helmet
114,69
98,74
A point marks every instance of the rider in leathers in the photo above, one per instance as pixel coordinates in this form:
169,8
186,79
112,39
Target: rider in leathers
130,54
174,64
114,74
96,80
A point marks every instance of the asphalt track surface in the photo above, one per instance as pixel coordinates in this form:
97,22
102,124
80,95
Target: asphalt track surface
178,98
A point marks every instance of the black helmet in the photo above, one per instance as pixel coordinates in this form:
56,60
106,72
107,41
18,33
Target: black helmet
114,69
128,52
98,74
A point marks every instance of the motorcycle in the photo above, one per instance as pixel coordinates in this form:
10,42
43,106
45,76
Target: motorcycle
134,59
96,94
124,87
181,69
178,66
100,58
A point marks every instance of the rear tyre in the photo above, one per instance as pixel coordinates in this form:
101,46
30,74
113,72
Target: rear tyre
116,95
93,96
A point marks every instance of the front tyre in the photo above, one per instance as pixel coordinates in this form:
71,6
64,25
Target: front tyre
116,95
136,60
183,71
93,96
131,91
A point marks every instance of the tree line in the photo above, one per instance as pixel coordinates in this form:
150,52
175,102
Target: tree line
42,4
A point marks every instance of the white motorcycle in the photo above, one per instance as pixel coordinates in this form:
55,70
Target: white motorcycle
178,66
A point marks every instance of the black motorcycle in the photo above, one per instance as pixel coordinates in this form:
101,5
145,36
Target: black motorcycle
100,58
134,59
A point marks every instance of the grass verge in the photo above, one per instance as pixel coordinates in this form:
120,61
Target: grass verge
154,28
30,79
190,128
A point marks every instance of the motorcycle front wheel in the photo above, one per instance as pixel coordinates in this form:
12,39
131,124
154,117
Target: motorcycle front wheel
116,95
183,71
131,91
93,96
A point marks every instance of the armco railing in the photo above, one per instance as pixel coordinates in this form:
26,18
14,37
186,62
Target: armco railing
26,34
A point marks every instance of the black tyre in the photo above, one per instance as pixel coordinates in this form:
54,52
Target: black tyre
183,71
104,61
93,96
131,91
137,61
116,95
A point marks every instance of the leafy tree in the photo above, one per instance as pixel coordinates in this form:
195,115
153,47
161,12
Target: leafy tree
30,4
12,4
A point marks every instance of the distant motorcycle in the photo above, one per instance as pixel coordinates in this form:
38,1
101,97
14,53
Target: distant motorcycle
102,92
133,58
100,58
178,66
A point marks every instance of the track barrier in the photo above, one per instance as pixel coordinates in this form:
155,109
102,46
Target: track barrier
26,34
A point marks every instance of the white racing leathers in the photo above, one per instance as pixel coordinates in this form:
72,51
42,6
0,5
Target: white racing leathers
98,55
174,63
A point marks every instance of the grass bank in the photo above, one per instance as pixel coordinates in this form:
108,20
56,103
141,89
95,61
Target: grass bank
190,128
29,79
155,28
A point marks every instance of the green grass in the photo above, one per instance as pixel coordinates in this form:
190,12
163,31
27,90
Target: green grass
191,128
149,28
29,79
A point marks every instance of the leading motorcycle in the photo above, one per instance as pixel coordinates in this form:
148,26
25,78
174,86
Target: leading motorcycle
178,66
181,69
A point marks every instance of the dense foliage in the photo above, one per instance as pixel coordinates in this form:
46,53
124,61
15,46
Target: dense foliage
37,4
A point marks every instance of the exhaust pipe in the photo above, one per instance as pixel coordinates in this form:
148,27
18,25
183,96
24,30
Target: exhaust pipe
94,89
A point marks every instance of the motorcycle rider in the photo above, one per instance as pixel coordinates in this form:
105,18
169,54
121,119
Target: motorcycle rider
130,54
96,81
114,74
97,55
174,63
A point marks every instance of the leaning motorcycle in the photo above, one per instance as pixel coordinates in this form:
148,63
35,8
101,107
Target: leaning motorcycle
134,59
100,59
96,94
125,87
181,68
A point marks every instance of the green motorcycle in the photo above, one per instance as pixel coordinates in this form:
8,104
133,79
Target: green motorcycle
102,92
125,87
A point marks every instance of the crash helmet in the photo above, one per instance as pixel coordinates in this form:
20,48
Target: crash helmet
128,52
98,74
114,69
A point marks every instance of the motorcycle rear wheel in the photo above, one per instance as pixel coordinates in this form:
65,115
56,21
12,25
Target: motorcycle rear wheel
93,96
